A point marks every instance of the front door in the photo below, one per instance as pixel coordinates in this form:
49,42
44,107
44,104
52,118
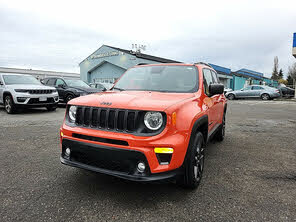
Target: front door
60,86
245,92
211,101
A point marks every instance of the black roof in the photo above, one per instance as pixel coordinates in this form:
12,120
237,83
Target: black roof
145,56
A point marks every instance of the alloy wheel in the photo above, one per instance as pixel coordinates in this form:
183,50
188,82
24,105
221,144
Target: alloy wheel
198,162
230,97
69,98
265,97
8,104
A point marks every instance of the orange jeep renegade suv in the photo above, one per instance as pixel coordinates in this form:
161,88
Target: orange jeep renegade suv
152,125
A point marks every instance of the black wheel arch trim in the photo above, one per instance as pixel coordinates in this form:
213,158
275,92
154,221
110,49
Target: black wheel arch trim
196,126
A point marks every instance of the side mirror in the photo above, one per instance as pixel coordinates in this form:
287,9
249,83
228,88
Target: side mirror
61,86
104,89
216,89
1,83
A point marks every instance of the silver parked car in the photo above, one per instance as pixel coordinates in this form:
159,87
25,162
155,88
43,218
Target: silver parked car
254,91
25,91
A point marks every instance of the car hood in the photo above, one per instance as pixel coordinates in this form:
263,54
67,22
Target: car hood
85,89
141,100
29,86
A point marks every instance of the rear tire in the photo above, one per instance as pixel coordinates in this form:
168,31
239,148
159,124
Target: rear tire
231,96
265,96
221,132
193,164
9,105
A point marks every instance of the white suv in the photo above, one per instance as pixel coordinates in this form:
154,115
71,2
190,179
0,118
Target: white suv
25,91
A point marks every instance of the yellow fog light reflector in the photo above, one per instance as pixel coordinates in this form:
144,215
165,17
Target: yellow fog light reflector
163,150
62,134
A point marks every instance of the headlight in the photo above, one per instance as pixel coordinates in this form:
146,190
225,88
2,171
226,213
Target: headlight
153,120
72,113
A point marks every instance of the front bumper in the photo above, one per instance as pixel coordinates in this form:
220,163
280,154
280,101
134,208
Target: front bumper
35,100
117,162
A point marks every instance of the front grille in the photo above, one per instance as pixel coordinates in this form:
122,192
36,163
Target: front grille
36,101
40,91
107,118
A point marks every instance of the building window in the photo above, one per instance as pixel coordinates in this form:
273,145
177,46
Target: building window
105,80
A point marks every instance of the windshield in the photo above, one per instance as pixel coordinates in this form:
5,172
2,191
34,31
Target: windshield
20,79
160,78
76,83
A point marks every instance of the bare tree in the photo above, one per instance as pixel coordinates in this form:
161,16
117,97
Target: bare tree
275,71
292,73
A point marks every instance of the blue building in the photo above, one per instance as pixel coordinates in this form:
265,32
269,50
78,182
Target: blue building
108,63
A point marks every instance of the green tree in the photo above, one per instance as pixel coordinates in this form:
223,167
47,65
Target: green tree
290,81
281,74
275,71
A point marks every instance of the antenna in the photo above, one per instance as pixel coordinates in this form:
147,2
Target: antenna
138,47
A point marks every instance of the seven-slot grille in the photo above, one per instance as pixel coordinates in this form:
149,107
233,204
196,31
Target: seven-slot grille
40,91
108,119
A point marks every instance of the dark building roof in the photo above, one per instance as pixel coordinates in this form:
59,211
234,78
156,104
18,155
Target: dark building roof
145,56
247,76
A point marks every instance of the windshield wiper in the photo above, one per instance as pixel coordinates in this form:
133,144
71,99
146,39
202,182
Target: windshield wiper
118,88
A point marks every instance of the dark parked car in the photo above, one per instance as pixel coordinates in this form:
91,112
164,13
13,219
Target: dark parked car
286,91
69,88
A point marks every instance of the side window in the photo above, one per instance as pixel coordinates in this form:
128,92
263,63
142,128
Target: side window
215,77
208,79
247,88
257,88
59,82
50,82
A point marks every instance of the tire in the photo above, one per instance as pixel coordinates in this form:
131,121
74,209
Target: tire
9,105
69,97
193,164
231,96
265,96
51,108
221,132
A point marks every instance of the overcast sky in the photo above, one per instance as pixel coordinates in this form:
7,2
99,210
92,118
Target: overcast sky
57,35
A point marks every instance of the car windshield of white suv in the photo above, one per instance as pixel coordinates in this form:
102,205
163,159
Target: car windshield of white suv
161,78
76,83
20,79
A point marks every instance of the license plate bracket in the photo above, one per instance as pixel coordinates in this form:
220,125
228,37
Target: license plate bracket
42,99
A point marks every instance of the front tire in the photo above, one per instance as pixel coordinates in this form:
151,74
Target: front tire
231,96
69,97
194,164
9,105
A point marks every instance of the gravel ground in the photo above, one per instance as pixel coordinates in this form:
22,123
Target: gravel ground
250,176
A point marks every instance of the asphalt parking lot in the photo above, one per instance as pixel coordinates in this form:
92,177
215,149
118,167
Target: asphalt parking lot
250,176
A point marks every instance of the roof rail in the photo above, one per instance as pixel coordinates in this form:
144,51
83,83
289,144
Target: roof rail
203,63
